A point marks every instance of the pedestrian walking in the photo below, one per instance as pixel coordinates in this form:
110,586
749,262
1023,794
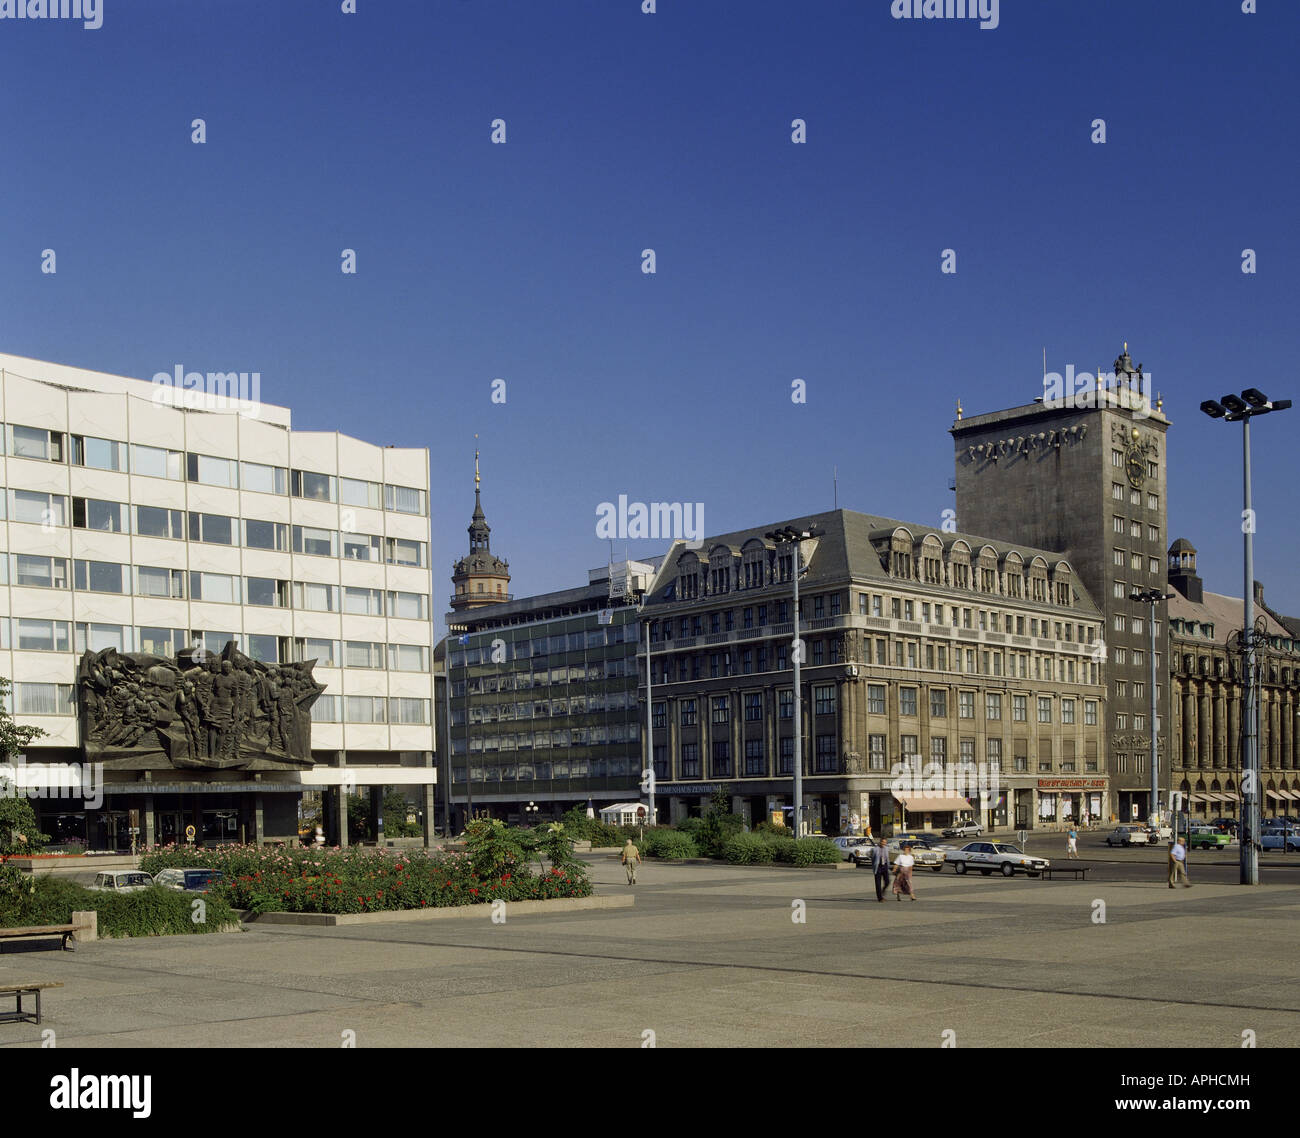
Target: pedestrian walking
631,859
1085,819
903,873
1178,863
1072,843
880,867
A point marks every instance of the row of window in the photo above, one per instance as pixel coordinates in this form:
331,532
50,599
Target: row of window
221,588
59,699
34,634
591,671
1134,561
618,768
1134,528
594,703
912,654
48,510
824,698
502,651
873,604
159,462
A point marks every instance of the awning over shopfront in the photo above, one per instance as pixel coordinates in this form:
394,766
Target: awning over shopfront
919,805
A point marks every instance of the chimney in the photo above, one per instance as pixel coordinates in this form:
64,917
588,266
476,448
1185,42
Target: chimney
1259,594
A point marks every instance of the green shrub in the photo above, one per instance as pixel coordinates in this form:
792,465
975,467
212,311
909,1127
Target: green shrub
669,845
583,829
747,849
691,826
782,848
772,828
815,851
148,912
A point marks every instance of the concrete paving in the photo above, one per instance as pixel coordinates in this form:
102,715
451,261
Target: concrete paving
709,956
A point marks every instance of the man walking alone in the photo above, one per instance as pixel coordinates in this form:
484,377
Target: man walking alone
631,859
1178,862
880,867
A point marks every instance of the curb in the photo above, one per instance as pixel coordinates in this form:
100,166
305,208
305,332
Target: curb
479,911
734,865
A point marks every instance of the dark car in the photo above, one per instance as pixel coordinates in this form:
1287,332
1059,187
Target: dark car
188,880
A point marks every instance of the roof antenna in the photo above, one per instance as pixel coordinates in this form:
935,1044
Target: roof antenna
835,483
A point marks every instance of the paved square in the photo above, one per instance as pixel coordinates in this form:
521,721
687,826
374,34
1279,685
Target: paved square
710,956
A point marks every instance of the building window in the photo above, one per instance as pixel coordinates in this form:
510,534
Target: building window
1067,711
690,760
785,704
993,705
876,699
876,752
824,699
753,707
1090,713
688,713
825,756
907,701
754,757
938,703
785,760
966,705
721,710
1019,708
721,758
1044,709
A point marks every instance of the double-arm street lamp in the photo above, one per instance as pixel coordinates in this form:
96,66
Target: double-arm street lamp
1153,597
791,536
1242,408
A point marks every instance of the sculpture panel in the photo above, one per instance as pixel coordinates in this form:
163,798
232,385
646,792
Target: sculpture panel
201,710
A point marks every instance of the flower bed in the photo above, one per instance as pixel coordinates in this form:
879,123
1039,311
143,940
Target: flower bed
261,879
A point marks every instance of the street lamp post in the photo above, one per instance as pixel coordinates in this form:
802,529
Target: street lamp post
1243,408
1152,597
790,535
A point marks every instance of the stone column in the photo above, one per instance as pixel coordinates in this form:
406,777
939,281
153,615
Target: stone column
1205,729
259,820
1220,729
1234,730
376,812
1189,727
150,829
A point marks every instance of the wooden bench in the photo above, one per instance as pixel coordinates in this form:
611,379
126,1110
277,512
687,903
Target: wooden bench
1077,870
20,990
67,932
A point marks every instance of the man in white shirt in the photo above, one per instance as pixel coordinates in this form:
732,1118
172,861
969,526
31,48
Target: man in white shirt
1178,862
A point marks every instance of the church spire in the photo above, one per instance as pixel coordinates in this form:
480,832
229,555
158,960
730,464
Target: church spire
481,578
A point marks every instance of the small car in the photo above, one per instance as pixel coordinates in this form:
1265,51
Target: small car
195,880
1207,838
1272,839
968,829
1129,836
847,843
121,881
1001,856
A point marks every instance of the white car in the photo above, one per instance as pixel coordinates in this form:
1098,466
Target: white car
1128,836
847,843
121,881
989,856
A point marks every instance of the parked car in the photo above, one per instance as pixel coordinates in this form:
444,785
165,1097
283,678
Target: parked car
1207,838
925,857
188,880
927,838
121,881
989,856
1128,836
1272,839
1229,825
967,829
847,843
1160,833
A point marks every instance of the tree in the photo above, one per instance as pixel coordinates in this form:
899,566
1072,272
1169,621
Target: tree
18,830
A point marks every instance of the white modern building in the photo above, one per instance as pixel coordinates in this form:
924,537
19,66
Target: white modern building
151,520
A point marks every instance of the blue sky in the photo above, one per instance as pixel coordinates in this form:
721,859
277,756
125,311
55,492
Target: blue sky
775,261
